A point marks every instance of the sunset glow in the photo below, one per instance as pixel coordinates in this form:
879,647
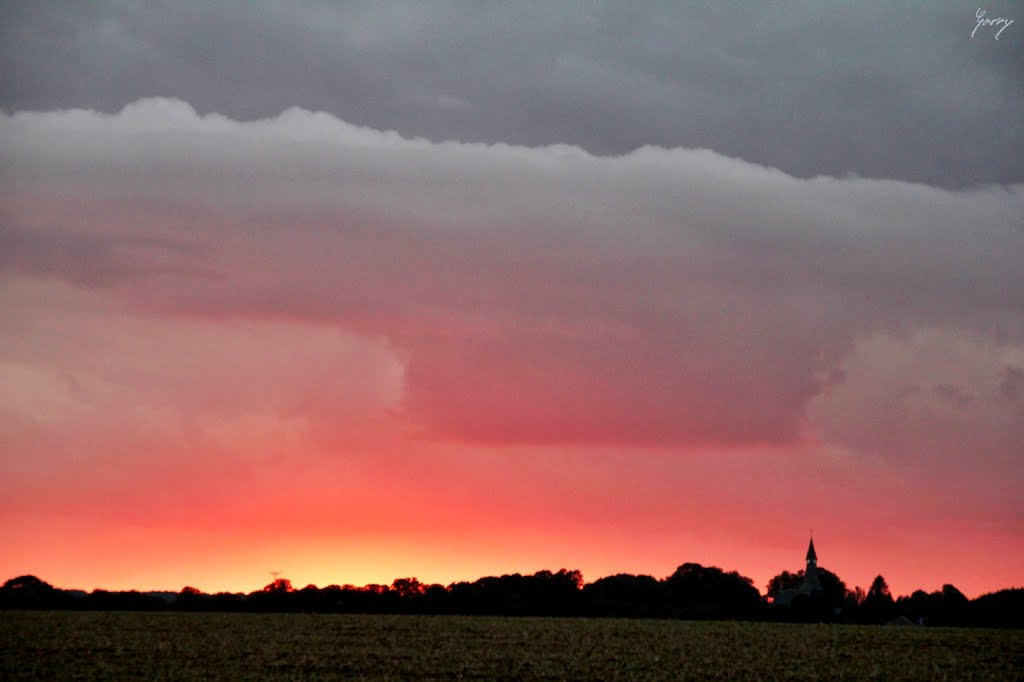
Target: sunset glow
313,341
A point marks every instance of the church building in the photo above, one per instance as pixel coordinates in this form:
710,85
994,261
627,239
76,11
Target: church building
810,584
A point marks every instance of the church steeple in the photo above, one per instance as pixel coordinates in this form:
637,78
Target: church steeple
812,581
810,584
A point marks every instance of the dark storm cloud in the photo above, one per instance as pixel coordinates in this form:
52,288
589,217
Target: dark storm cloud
881,90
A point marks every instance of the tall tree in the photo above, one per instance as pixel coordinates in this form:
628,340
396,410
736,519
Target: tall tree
878,606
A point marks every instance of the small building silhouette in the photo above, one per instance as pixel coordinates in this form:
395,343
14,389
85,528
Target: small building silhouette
810,584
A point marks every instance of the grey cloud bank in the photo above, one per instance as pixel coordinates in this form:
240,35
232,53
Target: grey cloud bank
880,90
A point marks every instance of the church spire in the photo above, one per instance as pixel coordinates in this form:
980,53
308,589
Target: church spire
812,556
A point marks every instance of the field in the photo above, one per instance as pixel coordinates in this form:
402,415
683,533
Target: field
85,645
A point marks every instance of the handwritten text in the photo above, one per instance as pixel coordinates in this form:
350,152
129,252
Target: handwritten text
1002,23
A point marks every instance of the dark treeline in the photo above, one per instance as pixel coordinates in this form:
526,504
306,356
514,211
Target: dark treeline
691,592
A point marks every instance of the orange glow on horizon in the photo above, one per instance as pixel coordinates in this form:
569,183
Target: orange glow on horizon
84,556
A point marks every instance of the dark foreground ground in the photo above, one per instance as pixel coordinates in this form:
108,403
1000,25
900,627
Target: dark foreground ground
62,645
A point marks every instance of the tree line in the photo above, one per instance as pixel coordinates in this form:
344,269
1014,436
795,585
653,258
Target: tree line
692,592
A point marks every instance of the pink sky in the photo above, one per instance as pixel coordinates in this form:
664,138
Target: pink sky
294,344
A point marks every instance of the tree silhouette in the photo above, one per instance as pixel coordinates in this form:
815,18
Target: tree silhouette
626,595
948,606
1004,609
407,587
279,585
783,581
29,592
878,606
27,585
692,591
695,591
879,589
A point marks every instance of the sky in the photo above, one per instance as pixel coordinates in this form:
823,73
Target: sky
367,290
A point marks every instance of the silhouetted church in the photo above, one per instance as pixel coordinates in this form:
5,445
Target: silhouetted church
811,582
